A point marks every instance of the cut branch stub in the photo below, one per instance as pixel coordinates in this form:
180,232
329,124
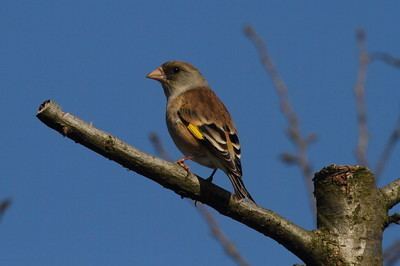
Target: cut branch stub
350,213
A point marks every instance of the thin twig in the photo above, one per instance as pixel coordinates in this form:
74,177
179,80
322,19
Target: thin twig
301,143
392,254
159,147
359,90
388,149
4,205
228,246
386,58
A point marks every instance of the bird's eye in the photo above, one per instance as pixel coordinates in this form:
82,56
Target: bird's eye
176,70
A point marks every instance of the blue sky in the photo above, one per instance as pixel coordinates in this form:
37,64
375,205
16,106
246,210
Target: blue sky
73,207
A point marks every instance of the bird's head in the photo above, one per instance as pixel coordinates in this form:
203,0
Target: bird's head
177,77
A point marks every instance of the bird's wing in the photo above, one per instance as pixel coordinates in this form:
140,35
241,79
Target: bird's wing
208,120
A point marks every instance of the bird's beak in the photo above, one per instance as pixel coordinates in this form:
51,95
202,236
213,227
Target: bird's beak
157,74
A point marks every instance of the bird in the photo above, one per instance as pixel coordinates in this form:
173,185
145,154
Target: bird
199,123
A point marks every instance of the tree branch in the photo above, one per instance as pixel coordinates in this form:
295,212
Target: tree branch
175,178
391,192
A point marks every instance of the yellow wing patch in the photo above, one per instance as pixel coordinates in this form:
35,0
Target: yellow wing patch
195,131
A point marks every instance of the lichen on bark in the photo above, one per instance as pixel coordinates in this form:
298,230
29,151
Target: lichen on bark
351,214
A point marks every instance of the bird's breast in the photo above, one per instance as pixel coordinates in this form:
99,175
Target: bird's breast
186,143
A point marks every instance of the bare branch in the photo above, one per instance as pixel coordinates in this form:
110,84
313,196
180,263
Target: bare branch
227,245
301,143
386,58
359,90
388,149
175,178
392,254
4,205
391,192
158,146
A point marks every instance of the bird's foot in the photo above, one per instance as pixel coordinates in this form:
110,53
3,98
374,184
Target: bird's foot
181,163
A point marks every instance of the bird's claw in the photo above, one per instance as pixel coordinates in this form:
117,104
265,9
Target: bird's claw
181,163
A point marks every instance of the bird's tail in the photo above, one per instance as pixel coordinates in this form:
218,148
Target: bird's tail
240,190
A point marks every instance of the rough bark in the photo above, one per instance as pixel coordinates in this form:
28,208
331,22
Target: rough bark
391,193
351,215
351,211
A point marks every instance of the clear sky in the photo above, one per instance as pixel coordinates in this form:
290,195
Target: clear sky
73,207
